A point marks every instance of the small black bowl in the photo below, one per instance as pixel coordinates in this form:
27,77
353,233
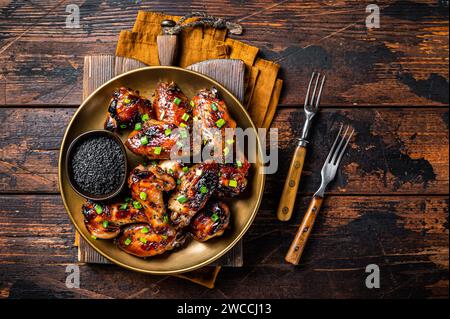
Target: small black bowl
76,188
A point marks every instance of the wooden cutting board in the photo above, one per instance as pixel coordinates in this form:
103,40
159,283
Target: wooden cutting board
101,68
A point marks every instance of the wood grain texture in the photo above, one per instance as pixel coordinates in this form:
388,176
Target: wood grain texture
407,236
395,151
403,62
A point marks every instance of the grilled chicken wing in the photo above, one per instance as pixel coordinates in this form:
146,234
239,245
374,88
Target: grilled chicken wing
194,190
104,221
142,240
127,107
211,114
147,185
171,105
232,179
210,222
156,139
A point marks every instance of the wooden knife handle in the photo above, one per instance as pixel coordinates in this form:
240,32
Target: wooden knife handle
167,44
298,244
287,201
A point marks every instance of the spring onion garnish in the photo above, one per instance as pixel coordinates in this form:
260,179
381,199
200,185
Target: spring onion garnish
123,126
143,195
128,199
192,103
126,100
183,133
164,237
138,127
144,140
183,125
203,189
137,205
182,199
220,123
170,171
145,230
98,209
143,240
157,150
123,206
178,181
145,117
239,164
185,117
214,217
185,169
127,241
226,150
176,101
94,237
230,141
232,183
180,144
166,218
167,131
214,106
105,224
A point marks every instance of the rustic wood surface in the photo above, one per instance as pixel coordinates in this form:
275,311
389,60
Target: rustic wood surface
388,205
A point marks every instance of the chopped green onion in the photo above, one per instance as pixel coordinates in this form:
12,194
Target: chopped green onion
157,150
127,241
123,126
126,100
214,217
137,205
214,106
203,189
185,117
176,101
145,230
232,183
143,240
192,103
164,236
183,133
166,218
183,125
230,141
138,126
128,199
185,169
145,117
123,206
220,123
182,199
180,144
178,181
98,209
143,195
239,164
94,237
144,140
167,131
105,224
226,150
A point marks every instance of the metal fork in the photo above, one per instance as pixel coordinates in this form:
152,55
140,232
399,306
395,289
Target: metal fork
312,100
328,173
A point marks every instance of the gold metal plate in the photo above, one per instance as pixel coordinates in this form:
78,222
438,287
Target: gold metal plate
192,255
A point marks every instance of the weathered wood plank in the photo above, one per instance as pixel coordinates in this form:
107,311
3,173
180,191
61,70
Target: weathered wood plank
396,151
406,236
405,62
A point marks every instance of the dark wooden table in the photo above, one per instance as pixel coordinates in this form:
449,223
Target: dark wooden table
389,205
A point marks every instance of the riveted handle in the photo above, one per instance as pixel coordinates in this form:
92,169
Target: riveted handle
167,44
304,230
287,201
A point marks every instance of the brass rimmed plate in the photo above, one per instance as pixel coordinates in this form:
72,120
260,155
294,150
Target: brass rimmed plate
193,255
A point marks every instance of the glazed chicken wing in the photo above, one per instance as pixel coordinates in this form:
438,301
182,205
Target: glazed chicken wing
126,108
211,114
210,222
156,139
171,105
142,240
147,185
194,190
232,179
174,168
104,221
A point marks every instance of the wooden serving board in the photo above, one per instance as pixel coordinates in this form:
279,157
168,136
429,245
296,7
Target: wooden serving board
101,68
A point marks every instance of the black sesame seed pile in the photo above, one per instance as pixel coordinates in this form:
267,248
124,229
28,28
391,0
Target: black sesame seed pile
98,165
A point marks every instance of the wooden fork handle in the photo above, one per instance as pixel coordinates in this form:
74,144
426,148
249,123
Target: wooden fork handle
304,230
287,201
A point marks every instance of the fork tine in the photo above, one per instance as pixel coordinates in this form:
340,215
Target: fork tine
338,148
309,89
344,148
332,147
313,96
320,92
